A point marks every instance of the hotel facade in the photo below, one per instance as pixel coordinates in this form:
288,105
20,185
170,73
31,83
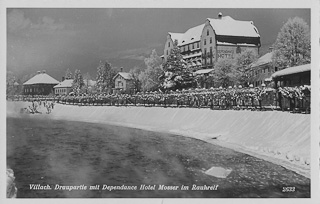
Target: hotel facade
224,37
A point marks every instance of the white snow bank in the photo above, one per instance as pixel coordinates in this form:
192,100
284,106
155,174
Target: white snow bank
280,137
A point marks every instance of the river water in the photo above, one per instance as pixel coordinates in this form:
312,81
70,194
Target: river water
65,153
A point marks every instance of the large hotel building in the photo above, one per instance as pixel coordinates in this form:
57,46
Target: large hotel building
223,37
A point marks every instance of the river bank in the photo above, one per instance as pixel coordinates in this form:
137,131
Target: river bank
280,137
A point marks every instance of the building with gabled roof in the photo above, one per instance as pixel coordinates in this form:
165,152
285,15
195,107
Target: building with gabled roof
225,37
202,45
64,87
123,83
189,43
262,69
40,84
293,76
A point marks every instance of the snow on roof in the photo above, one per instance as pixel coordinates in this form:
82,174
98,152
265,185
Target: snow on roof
41,78
265,59
227,26
204,71
292,70
176,36
64,84
125,75
192,35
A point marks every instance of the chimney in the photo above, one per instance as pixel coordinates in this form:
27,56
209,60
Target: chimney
43,71
38,72
121,69
62,78
219,15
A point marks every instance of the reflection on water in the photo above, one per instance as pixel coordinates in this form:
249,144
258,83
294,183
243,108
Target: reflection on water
75,153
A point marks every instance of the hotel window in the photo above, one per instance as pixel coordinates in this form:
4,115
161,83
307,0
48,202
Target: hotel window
210,40
210,50
187,48
192,46
207,32
198,45
168,44
167,52
204,42
205,50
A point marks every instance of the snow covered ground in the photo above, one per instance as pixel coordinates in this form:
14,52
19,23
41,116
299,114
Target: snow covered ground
280,137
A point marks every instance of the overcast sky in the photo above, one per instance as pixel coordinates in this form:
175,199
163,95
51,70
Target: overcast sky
57,39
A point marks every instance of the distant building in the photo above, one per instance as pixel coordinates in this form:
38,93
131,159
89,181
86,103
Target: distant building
293,76
123,83
262,70
204,44
40,84
63,87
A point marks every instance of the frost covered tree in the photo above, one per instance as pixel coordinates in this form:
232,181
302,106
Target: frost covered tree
135,77
105,74
11,79
292,46
150,76
177,75
78,82
225,73
68,74
243,69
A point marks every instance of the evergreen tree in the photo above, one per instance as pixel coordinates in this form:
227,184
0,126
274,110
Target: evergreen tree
135,73
78,82
105,74
176,73
68,74
86,80
11,79
292,46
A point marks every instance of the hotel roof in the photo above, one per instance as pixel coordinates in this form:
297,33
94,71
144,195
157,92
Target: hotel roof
227,26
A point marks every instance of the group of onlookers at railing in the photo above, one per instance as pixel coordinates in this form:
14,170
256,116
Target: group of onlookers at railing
296,99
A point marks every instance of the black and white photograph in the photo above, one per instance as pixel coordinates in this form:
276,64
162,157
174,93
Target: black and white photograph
137,101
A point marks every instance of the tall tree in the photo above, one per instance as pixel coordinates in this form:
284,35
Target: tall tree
11,79
78,82
86,80
150,76
135,77
176,72
292,46
225,73
68,74
105,74
243,69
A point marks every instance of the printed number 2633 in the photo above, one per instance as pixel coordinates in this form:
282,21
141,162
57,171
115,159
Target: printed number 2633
288,189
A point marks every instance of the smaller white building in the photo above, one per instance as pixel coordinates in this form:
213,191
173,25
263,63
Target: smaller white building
63,87
123,82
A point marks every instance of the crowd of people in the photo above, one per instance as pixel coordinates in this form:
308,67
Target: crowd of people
215,98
